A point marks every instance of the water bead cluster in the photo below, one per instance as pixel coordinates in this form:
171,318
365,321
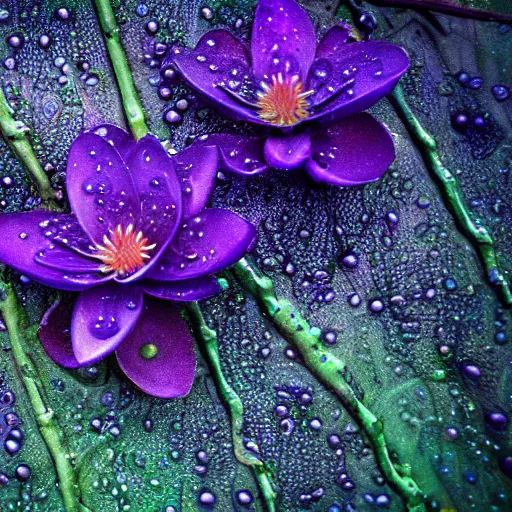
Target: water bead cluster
16,42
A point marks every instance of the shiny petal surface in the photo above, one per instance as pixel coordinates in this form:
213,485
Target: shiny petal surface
333,40
218,67
160,197
185,291
100,187
55,334
65,231
362,74
238,153
102,318
354,151
65,260
196,167
207,243
323,77
27,237
283,40
158,356
120,140
287,152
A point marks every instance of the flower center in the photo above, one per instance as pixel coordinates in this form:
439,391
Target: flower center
124,252
283,102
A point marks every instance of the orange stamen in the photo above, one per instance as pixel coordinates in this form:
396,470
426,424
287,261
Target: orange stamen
283,102
124,252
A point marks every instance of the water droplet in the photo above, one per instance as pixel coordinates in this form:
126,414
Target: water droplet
149,351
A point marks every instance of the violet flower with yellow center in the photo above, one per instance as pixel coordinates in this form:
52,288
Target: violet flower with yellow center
309,96
138,235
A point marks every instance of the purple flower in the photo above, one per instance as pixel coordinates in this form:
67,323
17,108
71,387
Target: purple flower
289,83
139,232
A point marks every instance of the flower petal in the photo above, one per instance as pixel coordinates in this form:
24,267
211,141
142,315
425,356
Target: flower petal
67,261
283,40
287,152
333,40
120,140
206,243
102,318
196,167
354,151
218,67
322,76
355,78
239,154
184,291
55,335
99,186
26,237
163,336
160,197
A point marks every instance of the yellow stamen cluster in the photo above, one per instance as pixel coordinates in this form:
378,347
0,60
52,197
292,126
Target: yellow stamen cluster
124,252
283,102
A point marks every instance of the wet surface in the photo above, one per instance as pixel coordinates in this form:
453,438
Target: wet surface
384,271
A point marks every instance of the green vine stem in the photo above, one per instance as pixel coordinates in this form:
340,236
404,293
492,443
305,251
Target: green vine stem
136,120
208,339
330,371
477,234
44,415
131,101
15,134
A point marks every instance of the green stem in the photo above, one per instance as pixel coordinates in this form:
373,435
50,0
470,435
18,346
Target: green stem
15,134
208,339
136,121
331,372
452,192
131,101
44,415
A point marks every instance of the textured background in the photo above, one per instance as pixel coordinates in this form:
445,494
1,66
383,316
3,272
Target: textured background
428,275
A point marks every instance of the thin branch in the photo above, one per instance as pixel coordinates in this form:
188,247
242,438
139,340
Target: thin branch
44,415
15,134
477,234
331,372
208,339
131,101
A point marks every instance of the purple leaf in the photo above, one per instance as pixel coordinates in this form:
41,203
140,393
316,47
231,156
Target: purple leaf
158,356
198,288
207,243
218,67
287,152
283,40
120,140
55,335
356,77
239,153
100,188
196,167
27,238
354,151
160,198
102,318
